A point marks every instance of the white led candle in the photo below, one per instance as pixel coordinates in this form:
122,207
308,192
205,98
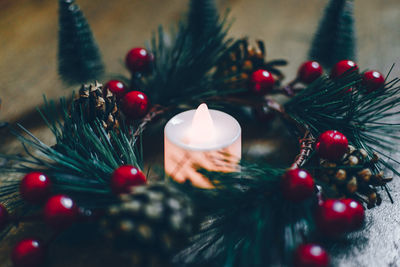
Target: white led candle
210,139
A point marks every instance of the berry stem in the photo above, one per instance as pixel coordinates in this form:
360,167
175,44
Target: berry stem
155,111
306,147
289,89
274,105
306,143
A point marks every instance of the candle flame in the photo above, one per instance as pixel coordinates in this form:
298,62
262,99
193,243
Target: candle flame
202,130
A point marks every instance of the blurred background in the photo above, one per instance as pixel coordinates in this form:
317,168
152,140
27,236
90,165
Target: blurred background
28,67
28,37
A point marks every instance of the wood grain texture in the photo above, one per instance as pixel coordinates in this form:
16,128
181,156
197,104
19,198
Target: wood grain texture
28,49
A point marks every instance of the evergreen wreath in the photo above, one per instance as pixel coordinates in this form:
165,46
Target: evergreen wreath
346,122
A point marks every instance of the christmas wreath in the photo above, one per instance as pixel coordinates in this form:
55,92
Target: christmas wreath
255,215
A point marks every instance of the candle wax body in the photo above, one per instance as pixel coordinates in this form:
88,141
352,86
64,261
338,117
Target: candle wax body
221,153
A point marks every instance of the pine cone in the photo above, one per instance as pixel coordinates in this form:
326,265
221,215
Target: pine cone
98,104
242,60
353,177
153,222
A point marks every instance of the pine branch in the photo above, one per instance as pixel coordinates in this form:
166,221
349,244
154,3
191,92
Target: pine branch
79,59
369,121
182,73
335,38
245,214
306,148
151,115
84,156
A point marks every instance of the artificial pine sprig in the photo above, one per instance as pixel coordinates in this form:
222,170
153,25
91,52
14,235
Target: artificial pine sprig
368,120
181,73
324,104
83,157
248,222
183,69
249,219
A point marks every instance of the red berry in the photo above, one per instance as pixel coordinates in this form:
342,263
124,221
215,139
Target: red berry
135,105
116,87
343,67
126,177
372,80
332,145
139,60
357,213
309,72
310,255
333,218
261,81
60,211
35,187
28,253
3,216
297,185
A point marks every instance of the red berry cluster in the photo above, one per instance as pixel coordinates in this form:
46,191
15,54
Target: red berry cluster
262,81
135,104
312,70
371,80
59,211
335,217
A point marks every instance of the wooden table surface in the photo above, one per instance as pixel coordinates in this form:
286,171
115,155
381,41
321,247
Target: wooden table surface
28,49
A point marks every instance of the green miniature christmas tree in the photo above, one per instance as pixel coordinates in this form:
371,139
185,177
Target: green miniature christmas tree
79,58
335,38
203,19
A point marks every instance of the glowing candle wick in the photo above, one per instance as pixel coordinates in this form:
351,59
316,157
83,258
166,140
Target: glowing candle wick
202,130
